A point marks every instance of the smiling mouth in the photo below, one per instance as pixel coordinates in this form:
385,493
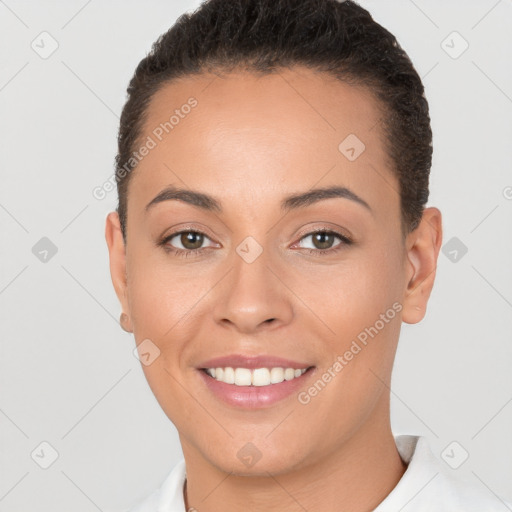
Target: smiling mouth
255,377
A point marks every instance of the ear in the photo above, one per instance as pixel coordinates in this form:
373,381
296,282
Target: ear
422,247
117,255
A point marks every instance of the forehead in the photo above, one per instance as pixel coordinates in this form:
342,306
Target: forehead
246,132
312,106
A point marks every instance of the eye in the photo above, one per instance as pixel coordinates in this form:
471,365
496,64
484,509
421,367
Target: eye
189,243
323,241
185,242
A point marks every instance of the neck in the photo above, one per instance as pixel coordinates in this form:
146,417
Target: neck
357,476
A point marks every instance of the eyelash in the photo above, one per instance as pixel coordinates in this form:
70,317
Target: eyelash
186,253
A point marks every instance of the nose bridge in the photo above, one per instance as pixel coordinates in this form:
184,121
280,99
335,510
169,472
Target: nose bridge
252,295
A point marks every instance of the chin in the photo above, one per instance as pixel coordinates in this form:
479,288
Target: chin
249,460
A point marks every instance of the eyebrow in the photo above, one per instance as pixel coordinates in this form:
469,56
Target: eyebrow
291,202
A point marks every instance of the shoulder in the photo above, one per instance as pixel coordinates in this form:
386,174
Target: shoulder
168,496
469,496
429,484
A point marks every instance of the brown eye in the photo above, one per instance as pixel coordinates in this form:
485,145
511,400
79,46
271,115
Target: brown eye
187,241
191,240
323,240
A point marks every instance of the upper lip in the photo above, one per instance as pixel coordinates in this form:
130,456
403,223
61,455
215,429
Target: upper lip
252,362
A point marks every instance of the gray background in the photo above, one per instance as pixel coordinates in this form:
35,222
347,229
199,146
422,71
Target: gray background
68,376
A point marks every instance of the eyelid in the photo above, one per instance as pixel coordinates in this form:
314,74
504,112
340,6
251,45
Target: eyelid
185,229
342,233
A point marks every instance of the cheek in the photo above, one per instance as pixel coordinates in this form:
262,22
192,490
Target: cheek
167,305
361,304
356,291
160,300
157,299
157,293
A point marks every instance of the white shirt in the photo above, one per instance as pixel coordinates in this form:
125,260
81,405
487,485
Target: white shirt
428,485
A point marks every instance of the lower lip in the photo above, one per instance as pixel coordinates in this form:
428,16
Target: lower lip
254,397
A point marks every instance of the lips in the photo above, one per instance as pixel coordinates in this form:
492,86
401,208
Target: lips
252,362
250,386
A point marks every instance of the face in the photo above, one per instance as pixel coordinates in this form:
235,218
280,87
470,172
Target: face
253,274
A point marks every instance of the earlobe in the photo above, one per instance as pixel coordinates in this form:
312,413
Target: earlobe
423,246
117,255
125,323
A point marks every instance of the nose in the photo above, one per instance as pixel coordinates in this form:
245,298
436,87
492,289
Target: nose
253,297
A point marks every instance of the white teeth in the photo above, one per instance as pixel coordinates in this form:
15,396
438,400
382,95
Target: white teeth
229,376
289,374
242,377
276,375
256,377
261,377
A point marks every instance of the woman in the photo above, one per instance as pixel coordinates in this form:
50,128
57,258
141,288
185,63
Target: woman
270,239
